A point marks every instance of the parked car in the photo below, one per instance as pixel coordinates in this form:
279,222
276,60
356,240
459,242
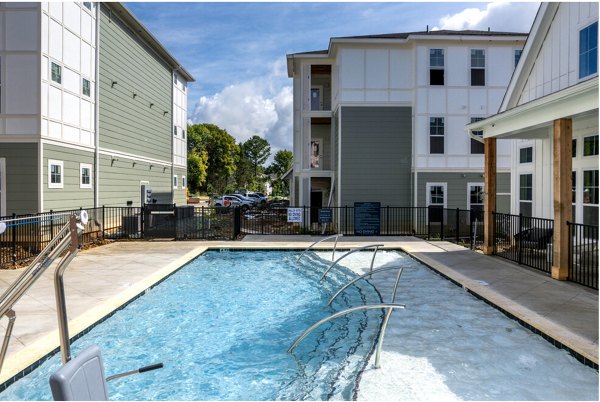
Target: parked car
226,201
258,197
244,200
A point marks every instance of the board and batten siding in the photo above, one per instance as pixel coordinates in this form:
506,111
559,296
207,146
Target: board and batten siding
135,92
376,155
22,169
457,188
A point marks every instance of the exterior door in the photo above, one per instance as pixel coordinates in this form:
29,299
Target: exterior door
316,202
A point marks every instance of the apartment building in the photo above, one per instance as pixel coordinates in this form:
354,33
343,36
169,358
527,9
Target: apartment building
550,111
92,111
381,118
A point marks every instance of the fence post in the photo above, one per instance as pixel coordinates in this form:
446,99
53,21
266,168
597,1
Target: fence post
175,217
51,226
142,220
387,220
236,222
428,223
203,224
471,231
520,256
570,250
457,224
14,240
442,224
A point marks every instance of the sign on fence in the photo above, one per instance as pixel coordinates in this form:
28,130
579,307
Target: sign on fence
325,215
367,218
294,215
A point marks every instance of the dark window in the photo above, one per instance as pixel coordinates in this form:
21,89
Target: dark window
476,146
588,50
590,146
175,131
526,155
525,194
86,87
436,66
574,148
87,4
477,67
518,53
590,197
56,71
436,135
573,187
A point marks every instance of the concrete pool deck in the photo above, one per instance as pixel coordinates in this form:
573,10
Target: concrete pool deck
102,279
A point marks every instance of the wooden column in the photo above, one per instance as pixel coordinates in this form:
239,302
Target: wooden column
489,199
563,136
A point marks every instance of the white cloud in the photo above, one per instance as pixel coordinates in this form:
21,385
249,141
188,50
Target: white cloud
516,17
260,106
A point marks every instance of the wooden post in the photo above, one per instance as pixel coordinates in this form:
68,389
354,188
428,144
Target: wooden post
563,136
489,199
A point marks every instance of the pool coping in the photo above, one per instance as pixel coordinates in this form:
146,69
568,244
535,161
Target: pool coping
47,346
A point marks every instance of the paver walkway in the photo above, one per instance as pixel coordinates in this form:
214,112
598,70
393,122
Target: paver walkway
101,279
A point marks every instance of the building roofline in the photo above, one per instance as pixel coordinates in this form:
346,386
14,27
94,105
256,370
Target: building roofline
127,16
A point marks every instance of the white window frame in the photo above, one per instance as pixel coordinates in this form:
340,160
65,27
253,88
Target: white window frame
443,67
532,155
583,146
519,200
81,167
62,173
183,182
469,185
175,182
428,186
50,73
484,68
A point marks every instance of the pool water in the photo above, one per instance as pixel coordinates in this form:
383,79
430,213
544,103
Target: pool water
222,326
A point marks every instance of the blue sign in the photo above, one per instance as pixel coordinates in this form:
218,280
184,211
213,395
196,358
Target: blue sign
325,215
367,218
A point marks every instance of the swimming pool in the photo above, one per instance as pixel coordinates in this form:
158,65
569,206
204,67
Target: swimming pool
222,325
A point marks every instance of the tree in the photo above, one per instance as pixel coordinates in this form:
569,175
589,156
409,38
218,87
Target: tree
257,150
244,170
282,162
197,164
221,153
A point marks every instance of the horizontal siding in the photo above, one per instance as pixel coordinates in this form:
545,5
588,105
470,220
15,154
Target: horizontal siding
129,124
376,155
180,195
21,177
120,182
70,196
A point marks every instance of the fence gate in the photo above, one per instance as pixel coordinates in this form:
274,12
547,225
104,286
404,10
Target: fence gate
159,221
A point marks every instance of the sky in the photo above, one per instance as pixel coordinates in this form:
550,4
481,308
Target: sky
237,51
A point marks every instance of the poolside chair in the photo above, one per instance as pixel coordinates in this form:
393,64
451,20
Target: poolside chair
82,378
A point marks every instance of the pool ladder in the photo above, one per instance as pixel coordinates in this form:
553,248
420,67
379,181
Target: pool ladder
388,306
336,236
67,240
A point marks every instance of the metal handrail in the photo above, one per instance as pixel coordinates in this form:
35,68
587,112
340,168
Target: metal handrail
319,241
389,306
353,281
354,251
38,266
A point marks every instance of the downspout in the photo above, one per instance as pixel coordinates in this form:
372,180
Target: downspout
97,113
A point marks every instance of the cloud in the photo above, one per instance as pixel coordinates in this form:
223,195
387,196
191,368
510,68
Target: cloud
260,106
516,17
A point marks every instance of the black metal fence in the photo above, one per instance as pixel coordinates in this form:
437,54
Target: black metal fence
524,240
583,252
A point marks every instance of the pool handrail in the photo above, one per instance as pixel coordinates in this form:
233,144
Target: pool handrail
353,281
66,239
333,264
388,306
336,236
386,320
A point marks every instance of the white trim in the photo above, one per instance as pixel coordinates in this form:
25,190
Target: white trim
2,186
70,145
472,184
428,186
132,157
81,167
62,173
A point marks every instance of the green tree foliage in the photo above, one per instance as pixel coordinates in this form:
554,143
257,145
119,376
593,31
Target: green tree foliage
282,162
197,165
244,174
256,150
221,154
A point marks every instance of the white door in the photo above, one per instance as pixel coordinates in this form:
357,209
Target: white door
2,186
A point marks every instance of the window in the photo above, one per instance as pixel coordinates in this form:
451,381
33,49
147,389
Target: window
436,135
88,5
56,72
183,134
436,66
477,67
55,174
85,84
476,198
174,181
175,131
574,148
590,146
526,155
476,146
526,194
85,175
518,53
183,183
573,195
590,197
588,50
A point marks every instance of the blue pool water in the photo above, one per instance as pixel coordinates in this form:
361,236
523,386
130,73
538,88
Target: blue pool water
222,326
